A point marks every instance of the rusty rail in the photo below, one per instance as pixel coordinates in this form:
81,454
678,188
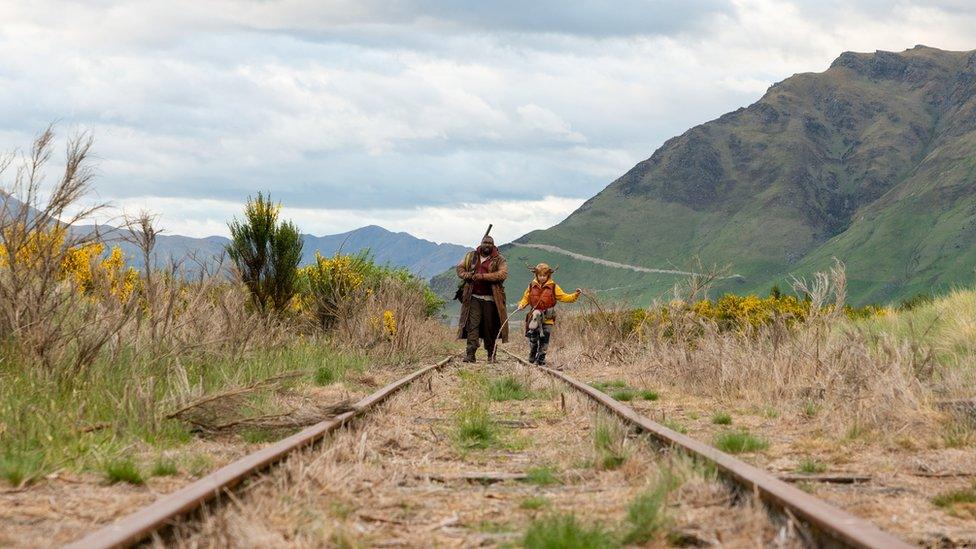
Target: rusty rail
832,522
139,525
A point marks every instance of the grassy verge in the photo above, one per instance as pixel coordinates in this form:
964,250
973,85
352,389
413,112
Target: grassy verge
81,423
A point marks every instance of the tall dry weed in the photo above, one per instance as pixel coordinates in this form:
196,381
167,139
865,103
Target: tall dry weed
884,383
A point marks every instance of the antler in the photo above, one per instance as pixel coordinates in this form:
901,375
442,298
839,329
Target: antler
529,267
554,270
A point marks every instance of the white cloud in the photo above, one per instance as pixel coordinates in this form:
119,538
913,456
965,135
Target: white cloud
461,223
373,106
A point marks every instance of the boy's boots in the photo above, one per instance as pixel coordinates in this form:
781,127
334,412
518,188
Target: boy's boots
541,359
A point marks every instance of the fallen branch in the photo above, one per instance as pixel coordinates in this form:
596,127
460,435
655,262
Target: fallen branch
233,392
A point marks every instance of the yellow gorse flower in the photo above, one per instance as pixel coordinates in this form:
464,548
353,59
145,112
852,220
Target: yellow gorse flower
389,323
78,264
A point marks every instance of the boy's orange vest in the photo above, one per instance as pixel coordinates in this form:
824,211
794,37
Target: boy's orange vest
542,297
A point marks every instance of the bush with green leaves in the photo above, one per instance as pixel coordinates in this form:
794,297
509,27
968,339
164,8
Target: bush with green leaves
266,252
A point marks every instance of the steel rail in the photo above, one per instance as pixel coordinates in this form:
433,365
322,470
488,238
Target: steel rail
828,520
139,525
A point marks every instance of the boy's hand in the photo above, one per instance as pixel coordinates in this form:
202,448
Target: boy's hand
578,291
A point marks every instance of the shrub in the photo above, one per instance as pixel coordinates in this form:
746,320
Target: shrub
267,253
332,287
915,301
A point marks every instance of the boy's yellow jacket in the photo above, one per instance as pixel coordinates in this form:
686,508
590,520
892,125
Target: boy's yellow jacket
561,296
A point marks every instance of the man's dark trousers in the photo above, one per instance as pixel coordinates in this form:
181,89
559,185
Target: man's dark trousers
483,322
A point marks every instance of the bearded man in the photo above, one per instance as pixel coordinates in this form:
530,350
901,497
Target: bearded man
483,315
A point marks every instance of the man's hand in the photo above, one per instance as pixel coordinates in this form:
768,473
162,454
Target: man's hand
477,277
467,276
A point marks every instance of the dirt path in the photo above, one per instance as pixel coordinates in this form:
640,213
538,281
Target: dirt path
485,455
608,263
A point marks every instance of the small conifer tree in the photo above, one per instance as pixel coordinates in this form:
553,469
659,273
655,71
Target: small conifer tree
267,253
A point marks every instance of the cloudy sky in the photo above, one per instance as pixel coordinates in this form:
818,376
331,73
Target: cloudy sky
430,117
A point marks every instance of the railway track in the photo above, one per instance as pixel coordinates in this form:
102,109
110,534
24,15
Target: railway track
824,524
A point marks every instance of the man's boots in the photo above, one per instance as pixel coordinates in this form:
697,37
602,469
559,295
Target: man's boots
541,359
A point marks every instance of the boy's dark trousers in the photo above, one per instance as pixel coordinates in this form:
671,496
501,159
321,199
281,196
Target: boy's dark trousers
539,343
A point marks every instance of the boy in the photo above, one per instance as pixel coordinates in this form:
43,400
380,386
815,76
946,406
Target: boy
542,295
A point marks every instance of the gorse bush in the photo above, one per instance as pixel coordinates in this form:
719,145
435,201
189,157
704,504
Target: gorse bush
267,253
333,287
733,312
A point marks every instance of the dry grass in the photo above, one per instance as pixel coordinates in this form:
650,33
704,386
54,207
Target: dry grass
828,395
396,480
870,382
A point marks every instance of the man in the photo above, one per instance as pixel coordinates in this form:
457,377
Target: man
542,295
483,271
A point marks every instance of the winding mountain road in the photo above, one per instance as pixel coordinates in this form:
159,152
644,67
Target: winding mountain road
608,263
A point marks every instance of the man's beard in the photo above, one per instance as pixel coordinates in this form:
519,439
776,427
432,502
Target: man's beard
485,250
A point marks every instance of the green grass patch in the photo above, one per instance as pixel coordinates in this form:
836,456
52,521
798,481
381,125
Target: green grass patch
164,467
542,476
738,442
475,429
565,531
608,443
811,466
722,418
646,515
948,499
260,435
811,409
337,367
123,470
19,467
534,503
675,426
647,394
199,464
81,422
624,395
507,388
493,527
607,386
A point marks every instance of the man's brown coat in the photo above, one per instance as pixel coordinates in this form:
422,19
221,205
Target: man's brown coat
497,273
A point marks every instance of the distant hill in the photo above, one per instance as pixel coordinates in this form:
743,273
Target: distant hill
422,257
872,161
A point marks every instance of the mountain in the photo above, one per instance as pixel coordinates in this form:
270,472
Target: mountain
422,257
872,161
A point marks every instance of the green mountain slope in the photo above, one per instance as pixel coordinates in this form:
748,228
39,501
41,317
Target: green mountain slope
872,161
